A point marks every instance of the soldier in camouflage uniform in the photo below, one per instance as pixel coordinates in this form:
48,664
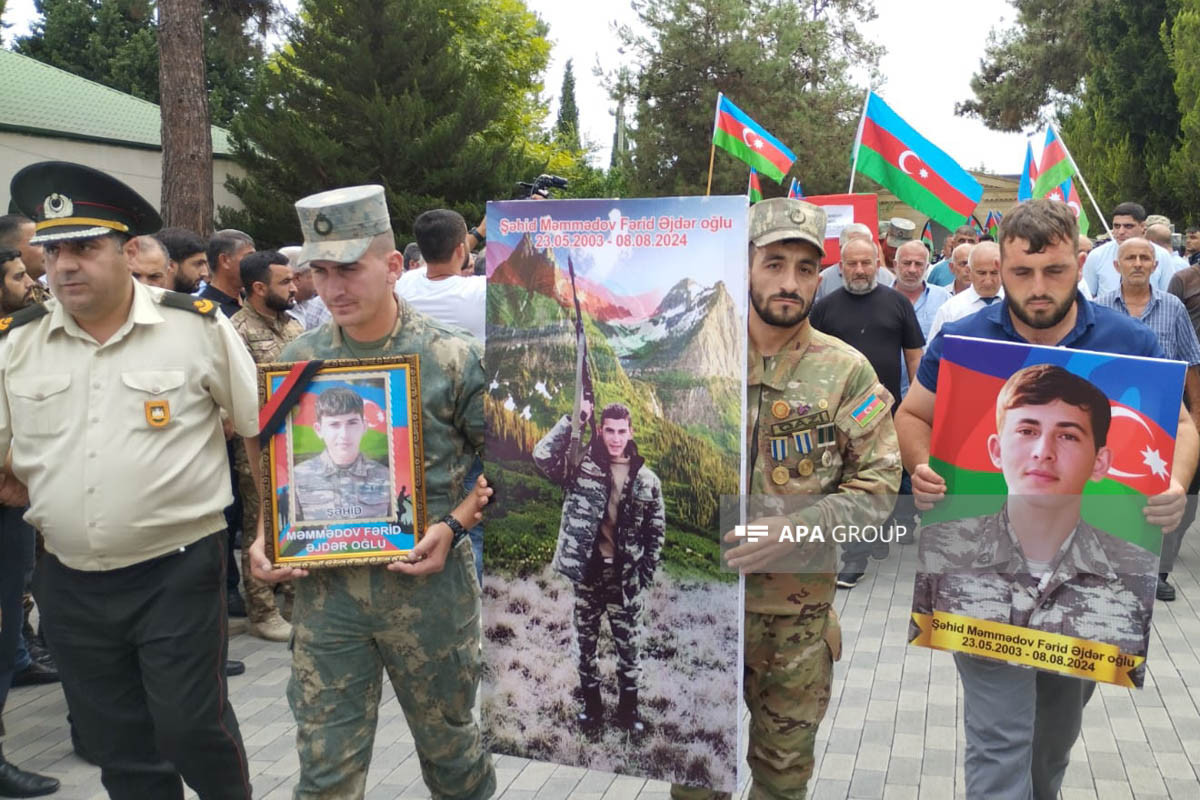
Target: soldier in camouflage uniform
341,483
817,424
419,618
266,328
1059,575
609,540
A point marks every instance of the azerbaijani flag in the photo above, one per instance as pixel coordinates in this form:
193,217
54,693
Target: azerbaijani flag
927,235
742,137
1029,174
794,191
1144,395
890,151
1056,166
992,224
1072,199
754,190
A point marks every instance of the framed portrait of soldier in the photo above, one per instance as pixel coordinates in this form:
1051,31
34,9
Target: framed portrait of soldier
1040,554
343,467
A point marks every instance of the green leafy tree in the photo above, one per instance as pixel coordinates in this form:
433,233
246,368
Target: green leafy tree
1183,173
1039,61
786,64
115,42
435,100
1106,70
566,128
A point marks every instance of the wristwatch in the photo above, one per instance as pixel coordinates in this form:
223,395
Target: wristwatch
480,238
456,527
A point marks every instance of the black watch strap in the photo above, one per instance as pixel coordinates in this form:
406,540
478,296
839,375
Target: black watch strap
456,527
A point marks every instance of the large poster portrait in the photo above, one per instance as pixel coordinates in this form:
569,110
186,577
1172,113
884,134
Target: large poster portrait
616,350
1041,554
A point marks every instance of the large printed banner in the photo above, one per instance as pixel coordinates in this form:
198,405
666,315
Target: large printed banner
616,352
840,211
1040,555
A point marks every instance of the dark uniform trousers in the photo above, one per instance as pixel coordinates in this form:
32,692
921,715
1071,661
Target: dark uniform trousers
141,651
16,558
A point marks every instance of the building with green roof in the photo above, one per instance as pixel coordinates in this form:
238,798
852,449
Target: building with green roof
49,114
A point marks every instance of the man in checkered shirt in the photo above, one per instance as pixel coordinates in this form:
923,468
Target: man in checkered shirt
1167,316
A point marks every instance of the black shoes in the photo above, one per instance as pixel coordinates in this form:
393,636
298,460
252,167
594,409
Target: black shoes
234,667
1165,591
36,674
848,580
16,782
592,716
627,713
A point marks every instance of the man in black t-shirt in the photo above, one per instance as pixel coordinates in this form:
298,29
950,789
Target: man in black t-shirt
876,320
880,323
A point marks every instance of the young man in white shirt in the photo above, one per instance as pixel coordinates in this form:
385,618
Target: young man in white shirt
440,290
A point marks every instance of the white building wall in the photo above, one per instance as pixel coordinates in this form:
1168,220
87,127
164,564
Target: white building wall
138,167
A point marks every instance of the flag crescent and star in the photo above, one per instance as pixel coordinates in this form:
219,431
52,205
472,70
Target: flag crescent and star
756,142
900,163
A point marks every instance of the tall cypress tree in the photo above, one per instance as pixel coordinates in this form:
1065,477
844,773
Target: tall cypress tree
566,129
430,98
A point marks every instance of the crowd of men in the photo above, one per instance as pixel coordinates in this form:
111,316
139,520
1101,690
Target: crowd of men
129,415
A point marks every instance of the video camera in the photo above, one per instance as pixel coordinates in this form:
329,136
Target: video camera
540,186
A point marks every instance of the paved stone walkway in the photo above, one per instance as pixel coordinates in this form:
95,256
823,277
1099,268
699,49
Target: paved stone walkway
894,728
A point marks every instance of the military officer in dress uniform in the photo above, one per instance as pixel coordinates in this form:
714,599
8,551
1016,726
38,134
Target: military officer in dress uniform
112,427
418,618
818,424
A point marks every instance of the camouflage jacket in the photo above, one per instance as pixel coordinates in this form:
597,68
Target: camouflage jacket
452,384
641,519
325,491
265,337
818,423
1101,589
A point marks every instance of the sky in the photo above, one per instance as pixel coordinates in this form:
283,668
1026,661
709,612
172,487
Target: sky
933,49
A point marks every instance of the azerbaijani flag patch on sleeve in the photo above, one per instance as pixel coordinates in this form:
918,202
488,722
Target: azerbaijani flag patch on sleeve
867,410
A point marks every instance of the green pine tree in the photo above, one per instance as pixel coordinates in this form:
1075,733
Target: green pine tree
433,99
566,129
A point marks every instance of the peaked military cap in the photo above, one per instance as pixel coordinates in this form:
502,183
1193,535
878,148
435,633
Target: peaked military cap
71,201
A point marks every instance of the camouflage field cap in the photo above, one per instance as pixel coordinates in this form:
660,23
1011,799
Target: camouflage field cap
784,218
338,225
900,230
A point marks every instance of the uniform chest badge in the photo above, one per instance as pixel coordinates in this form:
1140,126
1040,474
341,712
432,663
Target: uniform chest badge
805,467
779,476
780,409
158,413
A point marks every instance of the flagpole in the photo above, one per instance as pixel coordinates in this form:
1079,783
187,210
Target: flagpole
1095,205
712,148
858,141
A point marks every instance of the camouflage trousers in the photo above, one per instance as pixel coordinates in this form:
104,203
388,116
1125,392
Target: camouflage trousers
788,674
605,595
352,623
260,597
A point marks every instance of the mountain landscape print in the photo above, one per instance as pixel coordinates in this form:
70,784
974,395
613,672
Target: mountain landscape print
658,290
